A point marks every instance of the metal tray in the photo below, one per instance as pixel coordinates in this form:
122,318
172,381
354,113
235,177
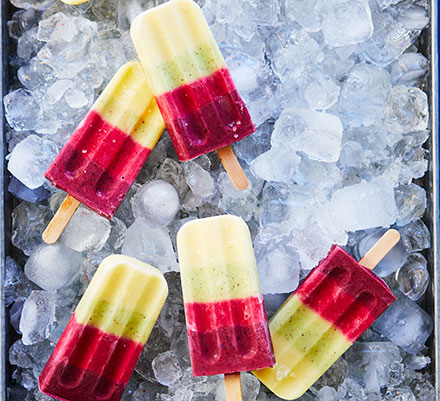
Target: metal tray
431,181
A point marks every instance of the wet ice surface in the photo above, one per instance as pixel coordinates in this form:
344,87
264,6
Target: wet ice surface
333,87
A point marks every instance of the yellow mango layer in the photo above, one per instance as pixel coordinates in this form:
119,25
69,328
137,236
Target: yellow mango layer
124,298
216,260
128,103
175,45
305,346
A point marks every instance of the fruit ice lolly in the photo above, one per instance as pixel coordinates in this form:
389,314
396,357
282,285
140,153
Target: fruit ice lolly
225,316
100,346
330,309
102,158
200,104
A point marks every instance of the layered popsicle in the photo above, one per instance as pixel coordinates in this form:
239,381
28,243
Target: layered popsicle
200,104
330,309
225,316
102,158
97,352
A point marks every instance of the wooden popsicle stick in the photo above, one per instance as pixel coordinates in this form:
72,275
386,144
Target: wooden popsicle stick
232,167
233,387
380,249
59,222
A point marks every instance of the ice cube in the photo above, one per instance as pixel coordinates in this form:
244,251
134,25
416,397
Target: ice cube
57,27
400,393
369,363
321,92
413,276
199,180
157,202
253,145
345,22
22,21
242,203
292,50
318,135
279,163
415,236
363,95
360,206
30,159
406,324
414,17
409,69
406,110
22,192
277,261
255,82
389,40
173,173
28,45
21,109
15,285
411,203
86,231
166,368
327,394
28,223
37,4
19,356
53,266
305,13
38,317
150,244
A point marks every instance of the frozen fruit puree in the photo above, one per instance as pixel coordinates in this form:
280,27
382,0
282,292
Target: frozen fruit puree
200,104
102,158
331,308
97,352
225,316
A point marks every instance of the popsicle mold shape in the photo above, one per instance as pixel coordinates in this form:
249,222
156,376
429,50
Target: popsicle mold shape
97,352
102,158
225,316
199,102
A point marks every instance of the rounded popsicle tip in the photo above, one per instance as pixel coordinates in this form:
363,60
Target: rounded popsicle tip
115,262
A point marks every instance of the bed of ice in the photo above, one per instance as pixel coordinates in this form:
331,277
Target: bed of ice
334,89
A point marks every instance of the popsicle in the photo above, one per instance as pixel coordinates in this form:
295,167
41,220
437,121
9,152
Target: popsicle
102,158
330,309
225,316
200,104
100,346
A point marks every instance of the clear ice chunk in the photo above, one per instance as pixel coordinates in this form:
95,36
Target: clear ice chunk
53,266
157,202
30,159
150,244
166,368
413,276
360,206
86,231
38,317
345,22
406,324
406,110
318,135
